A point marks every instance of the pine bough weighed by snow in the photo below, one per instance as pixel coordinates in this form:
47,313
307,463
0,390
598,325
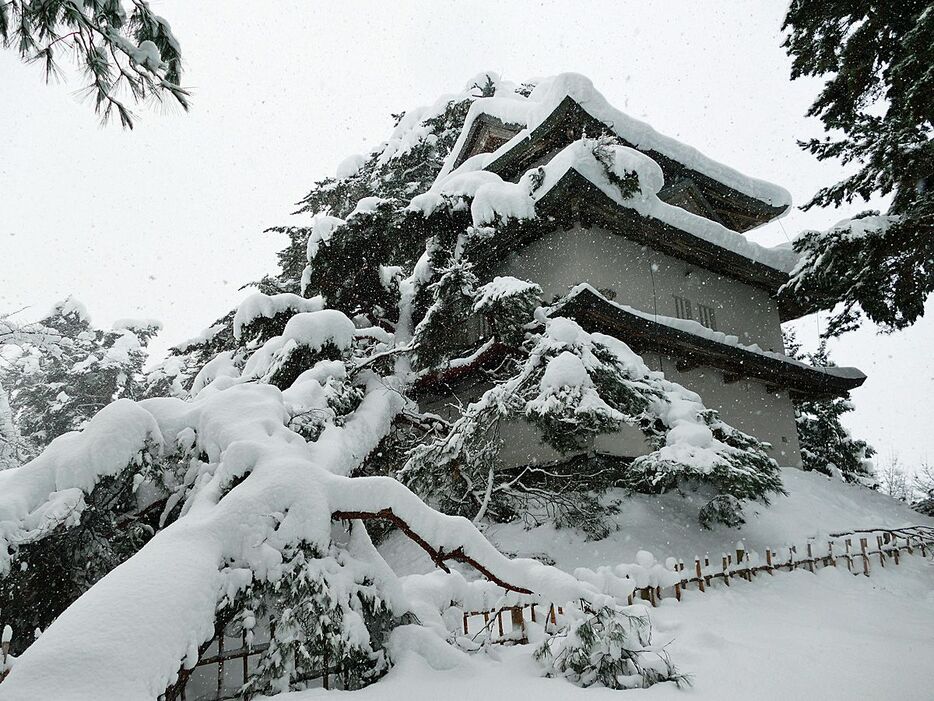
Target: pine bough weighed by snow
609,646
296,414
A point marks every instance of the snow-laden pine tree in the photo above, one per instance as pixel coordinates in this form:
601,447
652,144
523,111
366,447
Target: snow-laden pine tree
877,107
826,445
60,379
61,373
292,424
14,450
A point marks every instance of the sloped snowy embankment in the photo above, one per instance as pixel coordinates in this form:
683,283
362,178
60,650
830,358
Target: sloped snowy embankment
829,635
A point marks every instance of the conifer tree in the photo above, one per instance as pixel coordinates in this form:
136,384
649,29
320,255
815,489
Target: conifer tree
57,386
574,386
878,104
826,446
324,618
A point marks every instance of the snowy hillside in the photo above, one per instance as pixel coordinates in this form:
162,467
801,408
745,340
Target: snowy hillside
666,525
797,635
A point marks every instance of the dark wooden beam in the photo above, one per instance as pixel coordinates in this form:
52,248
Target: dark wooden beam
686,364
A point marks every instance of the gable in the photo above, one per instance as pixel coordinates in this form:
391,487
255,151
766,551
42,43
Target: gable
487,134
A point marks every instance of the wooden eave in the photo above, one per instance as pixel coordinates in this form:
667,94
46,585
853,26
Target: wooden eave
569,122
643,335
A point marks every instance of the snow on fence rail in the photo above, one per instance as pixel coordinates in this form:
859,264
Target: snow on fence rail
882,544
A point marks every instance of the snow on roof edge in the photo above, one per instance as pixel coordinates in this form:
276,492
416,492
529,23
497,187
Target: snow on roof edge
697,329
578,156
549,94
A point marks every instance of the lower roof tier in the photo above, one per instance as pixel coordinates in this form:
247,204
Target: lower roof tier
695,346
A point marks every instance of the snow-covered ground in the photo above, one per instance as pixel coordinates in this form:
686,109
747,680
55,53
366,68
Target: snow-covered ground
829,635
667,526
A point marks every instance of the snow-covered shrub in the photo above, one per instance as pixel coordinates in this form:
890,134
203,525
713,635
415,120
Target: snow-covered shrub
722,509
325,615
609,646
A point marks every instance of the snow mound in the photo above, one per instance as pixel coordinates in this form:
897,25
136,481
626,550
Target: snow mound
322,228
350,166
259,305
315,329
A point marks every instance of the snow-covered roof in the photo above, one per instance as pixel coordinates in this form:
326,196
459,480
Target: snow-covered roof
549,103
695,344
576,169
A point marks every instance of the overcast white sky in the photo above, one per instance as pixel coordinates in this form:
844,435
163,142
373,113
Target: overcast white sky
166,221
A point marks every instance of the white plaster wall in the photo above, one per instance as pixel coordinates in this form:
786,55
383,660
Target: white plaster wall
648,280
645,279
521,444
746,405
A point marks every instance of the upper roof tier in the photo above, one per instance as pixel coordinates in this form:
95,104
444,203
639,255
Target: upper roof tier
510,133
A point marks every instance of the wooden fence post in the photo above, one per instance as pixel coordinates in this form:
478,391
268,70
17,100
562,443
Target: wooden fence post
849,558
726,570
706,566
830,555
768,560
881,554
862,547
792,562
518,623
220,663
810,557
4,651
700,575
